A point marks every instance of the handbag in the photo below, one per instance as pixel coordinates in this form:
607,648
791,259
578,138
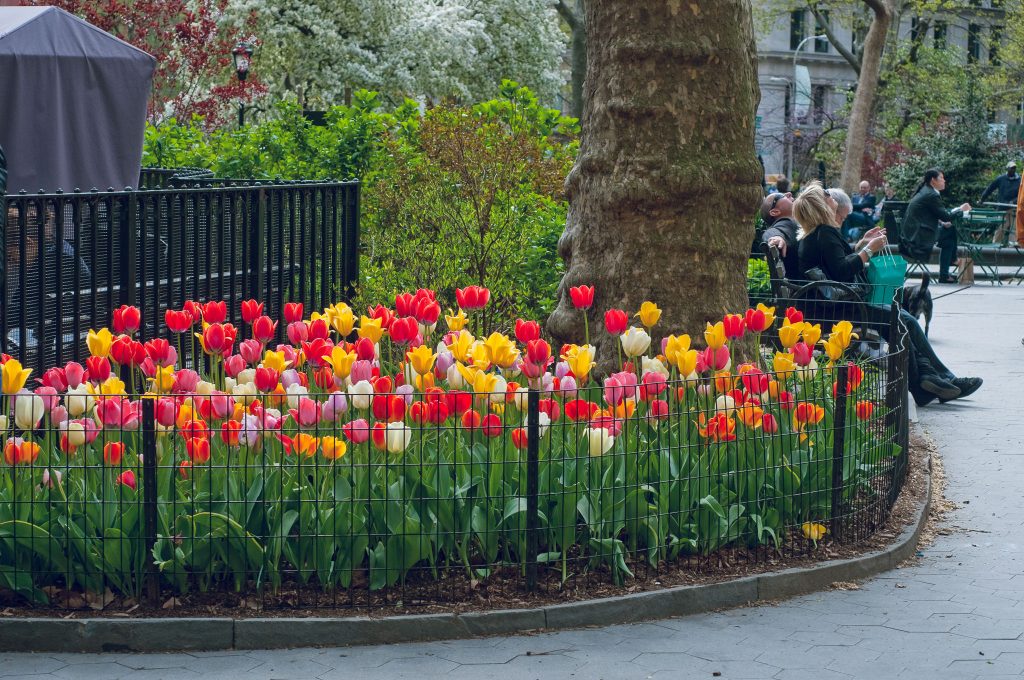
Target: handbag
835,293
887,273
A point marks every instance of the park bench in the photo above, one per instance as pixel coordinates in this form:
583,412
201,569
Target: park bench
984,238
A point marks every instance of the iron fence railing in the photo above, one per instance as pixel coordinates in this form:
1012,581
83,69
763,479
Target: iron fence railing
319,487
72,258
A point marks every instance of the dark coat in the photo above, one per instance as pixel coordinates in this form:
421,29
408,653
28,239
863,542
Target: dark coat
1005,188
826,249
787,229
920,228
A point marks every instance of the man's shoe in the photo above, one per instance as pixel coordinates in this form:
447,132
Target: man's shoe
967,386
947,279
924,398
942,389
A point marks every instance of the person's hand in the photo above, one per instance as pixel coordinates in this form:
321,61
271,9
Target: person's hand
779,243
873,232
966,207
877,243
945,225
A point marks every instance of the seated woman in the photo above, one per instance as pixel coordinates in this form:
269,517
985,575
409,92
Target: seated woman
821,245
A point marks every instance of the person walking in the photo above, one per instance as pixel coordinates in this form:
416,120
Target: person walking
926,222
1006,186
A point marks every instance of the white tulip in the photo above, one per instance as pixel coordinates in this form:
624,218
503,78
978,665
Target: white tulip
497,395
229,384
247,375
296,391
635,341
361,394
455,380
653,366
522,398
599,440
3,424
725,404
29,409
78,400
244,392
397,437
205,388
544,422
76,434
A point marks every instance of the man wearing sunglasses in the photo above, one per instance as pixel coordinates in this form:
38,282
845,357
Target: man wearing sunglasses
777,213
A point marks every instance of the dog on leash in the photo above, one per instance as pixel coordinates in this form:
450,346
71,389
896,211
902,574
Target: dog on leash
917,301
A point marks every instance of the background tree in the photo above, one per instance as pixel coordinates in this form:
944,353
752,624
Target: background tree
437,49
572,13
194,73
666,179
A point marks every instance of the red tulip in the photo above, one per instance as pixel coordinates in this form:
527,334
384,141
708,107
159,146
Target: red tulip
127,319
365,350
315,352
219,338
178,321
538,352
230,432
127,352
616,321
734,326
492,425
251,310
379,436
404,330
527,331
292,312
459,402
472,297
427,311
520,438
113,452
472,420
127,478
550,406
769,423
794,315
197,449
756,321
802,354
194,310
161,352
98,369
319,330
263,329
405,304
864,409
580,410
266,379
582,297
215,311
389,407
386,316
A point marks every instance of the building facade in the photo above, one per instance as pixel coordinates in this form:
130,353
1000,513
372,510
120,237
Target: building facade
803,92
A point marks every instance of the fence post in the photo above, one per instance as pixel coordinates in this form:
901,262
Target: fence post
149,495
257,248
838,447
129,241
532,484
351,239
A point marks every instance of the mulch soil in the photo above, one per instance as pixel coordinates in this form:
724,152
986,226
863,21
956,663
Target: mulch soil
504,589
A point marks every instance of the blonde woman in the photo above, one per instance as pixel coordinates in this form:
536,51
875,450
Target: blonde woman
822,246
821,242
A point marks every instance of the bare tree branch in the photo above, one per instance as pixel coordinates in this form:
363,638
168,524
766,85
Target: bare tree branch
823,24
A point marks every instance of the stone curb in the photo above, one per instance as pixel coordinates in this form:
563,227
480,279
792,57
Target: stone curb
178,634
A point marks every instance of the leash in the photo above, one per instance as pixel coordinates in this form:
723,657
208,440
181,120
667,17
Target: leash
939,297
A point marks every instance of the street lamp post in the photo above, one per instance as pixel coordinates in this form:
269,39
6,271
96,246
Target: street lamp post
242,56
792,106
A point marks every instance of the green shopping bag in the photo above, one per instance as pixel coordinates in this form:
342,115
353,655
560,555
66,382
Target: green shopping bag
886,273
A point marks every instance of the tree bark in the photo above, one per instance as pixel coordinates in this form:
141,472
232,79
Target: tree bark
864,99
576,20
666,184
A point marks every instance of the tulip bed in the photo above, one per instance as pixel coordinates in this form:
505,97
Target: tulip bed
367,450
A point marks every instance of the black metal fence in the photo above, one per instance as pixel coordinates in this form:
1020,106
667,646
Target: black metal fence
71,258
337,491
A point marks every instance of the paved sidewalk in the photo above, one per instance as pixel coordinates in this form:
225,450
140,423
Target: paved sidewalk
959,614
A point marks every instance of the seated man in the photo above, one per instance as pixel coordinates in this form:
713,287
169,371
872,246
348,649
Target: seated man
861,217
777,213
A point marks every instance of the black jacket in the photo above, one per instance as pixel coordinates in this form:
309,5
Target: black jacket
920,228
826,249
786,228
1006,188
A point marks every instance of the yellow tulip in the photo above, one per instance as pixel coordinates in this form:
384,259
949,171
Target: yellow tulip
843,333
813,530
769,314
581,362
421,359
500,350
461,346
649,314
99,342
676,344
371,328
341,361
811,333
14,376
783,365
163,380
789,334
342,319
834,347
686,362
715,335
468,373
456,322
485,383
112,387
275,361
334,447
479,355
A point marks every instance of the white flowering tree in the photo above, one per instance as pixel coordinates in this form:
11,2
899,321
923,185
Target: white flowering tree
432,49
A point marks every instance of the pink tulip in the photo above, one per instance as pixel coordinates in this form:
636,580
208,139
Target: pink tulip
56,378
358,431
802,354
614,391
298,332
561,369
627,379
716,359
49,478
234,365
127,478
166,411
653,384
58,415
249,435
51,399
185,381
251,351
222,405
289,378
361,370
334,407
74,373
568,387
307,414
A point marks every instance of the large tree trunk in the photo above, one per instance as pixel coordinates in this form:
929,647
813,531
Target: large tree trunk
666,184
864,99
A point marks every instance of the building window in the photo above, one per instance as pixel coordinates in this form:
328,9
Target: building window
820,96
973,43
940,35
993,45
1020,112
821,44
797,28
917,29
